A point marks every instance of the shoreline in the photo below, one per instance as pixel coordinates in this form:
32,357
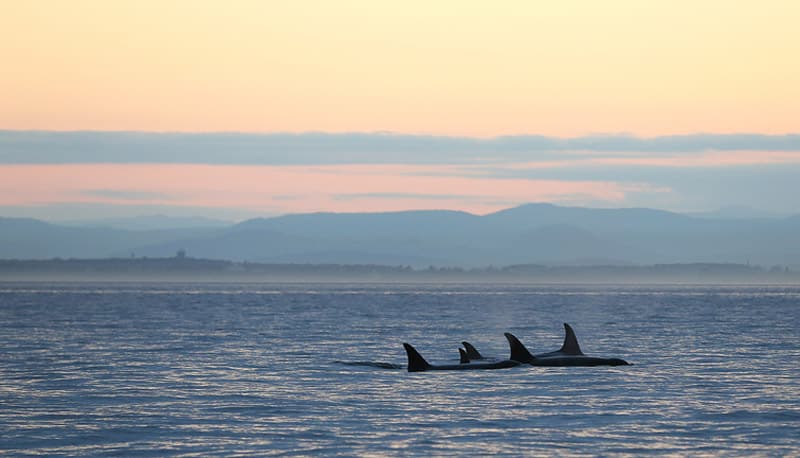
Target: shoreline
186,269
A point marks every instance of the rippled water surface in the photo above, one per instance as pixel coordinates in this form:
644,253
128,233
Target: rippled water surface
231,369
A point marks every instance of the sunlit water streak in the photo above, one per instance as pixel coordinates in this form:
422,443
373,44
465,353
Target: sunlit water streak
232,369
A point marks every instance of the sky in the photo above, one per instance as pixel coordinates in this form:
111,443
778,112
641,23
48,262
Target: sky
254,108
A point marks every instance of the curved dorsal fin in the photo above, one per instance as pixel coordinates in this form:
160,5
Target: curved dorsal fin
518,351
472,352
416,362
570,346
464,359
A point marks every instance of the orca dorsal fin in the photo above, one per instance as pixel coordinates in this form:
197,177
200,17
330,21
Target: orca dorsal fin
472,352
416,362
518,351
570,346
464,359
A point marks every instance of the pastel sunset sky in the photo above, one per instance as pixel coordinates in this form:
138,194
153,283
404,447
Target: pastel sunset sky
251,108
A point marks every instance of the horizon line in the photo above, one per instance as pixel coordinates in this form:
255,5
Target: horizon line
692,214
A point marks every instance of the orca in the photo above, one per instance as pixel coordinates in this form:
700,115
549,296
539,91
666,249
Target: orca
416,363
557,358
375,364
463,357
472,353
569,347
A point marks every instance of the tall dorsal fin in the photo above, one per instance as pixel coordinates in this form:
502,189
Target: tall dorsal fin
463,354
518,351
570,346
416,362
472,352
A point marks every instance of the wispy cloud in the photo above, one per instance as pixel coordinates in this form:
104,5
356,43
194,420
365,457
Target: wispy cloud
264,189
45,147
292,173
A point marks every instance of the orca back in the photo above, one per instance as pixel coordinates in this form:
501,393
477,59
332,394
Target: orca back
472,352
464,358
416,362
518,350
570,346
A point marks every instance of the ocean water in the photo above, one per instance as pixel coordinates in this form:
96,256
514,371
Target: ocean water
256,369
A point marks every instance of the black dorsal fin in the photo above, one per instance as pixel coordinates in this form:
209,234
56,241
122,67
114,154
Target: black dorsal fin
570,346
416,362
464,359
472,352
518,351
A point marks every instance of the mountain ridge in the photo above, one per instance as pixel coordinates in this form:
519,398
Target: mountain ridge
530,233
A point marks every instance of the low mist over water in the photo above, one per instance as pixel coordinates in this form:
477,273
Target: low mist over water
252,369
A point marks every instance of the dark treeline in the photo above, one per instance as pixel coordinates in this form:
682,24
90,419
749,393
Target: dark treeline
182,267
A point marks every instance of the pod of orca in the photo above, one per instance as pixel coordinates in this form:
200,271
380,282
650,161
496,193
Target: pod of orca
569,354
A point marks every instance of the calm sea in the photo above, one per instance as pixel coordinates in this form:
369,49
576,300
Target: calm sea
255,369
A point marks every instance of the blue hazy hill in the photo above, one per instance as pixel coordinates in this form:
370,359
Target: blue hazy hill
26,238
532,233
406,223
150,222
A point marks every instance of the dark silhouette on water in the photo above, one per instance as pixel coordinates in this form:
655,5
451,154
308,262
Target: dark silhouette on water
463,357
570,347
416,363
569,354
472,353
557,358
375,364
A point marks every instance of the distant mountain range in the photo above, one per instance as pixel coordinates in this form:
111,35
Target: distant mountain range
149,222
528,234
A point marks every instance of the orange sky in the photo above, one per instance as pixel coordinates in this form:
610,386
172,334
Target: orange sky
449,67
458,68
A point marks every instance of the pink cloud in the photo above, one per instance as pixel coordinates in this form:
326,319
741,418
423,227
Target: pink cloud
283,189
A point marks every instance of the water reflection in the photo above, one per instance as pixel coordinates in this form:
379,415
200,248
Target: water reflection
249,369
